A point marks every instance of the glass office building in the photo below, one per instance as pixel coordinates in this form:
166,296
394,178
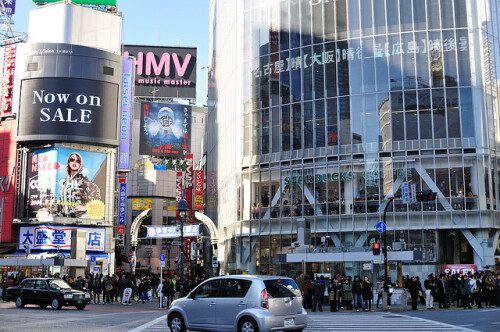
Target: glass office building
320,110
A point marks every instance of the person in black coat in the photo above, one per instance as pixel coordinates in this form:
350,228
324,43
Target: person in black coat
317,293
414,289
367,293
441,291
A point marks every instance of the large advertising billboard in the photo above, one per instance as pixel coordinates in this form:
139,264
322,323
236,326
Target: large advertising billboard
65,182
166,130
68,109
164,72
7,83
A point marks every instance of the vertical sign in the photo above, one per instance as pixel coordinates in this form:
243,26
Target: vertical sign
122,202
198,190
405,192
7,84
188,183
178,190
413,193
126,115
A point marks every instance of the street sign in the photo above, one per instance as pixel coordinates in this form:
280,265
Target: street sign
413,193
162,258
92,259
176,243
215,263
381,227
162,263
367,266
405,192
120,229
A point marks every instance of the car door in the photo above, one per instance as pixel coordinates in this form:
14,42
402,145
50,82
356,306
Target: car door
232,300
41,294
200,309
26,290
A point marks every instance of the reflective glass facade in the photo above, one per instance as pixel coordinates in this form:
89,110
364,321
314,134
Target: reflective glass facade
342,102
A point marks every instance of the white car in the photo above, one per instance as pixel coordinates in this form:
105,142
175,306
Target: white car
240,303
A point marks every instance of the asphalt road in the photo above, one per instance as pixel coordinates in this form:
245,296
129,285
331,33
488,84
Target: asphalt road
147,317
109,317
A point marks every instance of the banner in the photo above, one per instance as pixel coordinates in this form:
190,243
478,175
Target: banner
164,72
178,191
172,232
59,238
459,268
166,130
122,202
141,204
198,190
126,115
188,184
9,60
65,182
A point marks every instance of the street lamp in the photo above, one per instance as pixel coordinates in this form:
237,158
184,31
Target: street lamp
182,208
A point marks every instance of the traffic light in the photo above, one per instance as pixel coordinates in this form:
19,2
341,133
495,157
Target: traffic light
426,196
376,248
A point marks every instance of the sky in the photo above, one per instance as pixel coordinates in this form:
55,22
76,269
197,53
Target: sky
155,22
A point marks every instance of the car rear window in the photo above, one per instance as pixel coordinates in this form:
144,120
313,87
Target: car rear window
282,288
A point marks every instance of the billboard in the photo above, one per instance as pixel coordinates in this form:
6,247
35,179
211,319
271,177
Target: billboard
126,115
164,72
141,204
122,202
7,84
59,237
65,182
68,109
166,130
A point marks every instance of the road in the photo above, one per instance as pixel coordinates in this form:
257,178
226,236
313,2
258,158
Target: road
147,317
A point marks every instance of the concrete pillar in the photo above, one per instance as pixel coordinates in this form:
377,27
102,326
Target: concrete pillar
456,247
78,251
488,259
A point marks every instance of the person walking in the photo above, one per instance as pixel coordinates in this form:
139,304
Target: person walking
302,286
475,290
367,293
97,289
169,291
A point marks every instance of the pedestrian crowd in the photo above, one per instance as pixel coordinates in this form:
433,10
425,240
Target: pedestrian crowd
347,293
109,289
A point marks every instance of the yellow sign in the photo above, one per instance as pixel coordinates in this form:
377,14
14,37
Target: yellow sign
141,204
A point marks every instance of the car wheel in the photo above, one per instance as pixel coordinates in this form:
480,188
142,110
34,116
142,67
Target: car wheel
43,306
248,324
81,306
56,304
20,302
176,323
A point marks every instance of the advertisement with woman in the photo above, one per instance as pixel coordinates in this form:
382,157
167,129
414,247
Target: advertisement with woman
66,182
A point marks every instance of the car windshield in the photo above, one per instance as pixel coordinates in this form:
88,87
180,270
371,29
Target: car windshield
59,284
282,288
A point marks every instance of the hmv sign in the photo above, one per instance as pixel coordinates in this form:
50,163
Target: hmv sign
164,72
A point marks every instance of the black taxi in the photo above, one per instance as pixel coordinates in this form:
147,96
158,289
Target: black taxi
47,291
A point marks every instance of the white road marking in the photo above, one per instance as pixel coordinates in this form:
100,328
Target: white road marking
147,325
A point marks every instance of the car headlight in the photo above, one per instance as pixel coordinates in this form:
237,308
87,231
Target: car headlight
68,296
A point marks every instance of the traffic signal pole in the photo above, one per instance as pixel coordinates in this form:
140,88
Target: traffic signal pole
386,262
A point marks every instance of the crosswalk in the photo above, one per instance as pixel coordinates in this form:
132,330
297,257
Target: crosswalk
356,321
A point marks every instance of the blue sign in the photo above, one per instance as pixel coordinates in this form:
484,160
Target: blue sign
381,227
10,6
162,258
92,259
122,204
